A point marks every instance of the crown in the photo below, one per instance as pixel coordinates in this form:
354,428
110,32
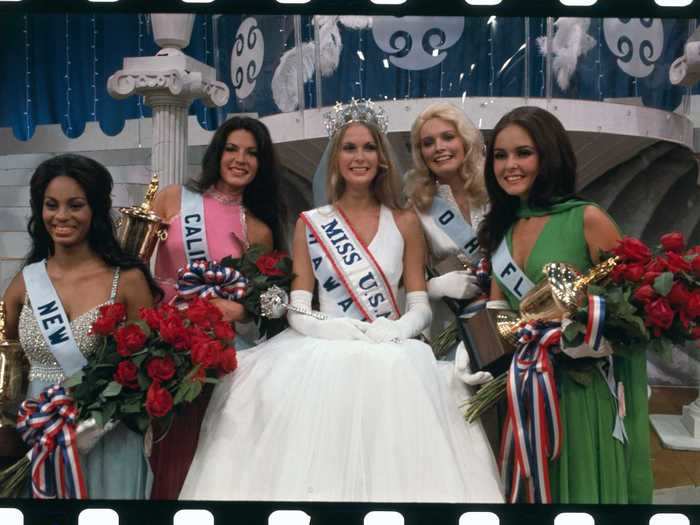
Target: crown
363,111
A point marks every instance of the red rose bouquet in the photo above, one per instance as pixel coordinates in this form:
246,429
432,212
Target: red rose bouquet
652,300
146,368
139,375
262,269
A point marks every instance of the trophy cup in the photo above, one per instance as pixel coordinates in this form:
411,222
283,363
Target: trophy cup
139,228
490,335
14,373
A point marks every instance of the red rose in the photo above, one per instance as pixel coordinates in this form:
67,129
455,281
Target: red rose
160,368
158,400
267,264
207,353
679,295
173,332
633,272
659,315
695,332
151,317
200,375
228,361
618,273
203,313
650,277
130,339
110,316
676,263
645,294
630,249
673,242
224,331
127,374
695,265
692,307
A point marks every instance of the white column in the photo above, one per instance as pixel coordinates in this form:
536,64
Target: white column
169,142
170,82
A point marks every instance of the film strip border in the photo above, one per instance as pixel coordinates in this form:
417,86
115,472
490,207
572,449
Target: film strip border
589,8
33,512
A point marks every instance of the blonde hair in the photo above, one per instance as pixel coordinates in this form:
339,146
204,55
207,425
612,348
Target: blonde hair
420,183
386,184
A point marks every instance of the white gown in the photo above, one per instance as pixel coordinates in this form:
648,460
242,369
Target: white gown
334,420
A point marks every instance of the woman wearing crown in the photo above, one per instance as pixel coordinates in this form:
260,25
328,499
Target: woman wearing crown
345,405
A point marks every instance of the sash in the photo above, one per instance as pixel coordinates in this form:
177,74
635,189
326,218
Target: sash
346,268
52,319
194,237
509,273
451,222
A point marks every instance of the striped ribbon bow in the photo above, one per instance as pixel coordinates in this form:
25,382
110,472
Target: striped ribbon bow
48,426
208,279
532,434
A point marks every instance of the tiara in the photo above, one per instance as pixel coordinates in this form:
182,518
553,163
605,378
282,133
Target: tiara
363,111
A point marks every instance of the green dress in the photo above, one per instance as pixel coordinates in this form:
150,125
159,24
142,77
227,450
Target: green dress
593,467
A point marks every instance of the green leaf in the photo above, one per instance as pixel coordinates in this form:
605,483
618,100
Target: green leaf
97,415
194,391
139,359
663,348
144,381
572,331
182,391
131,406
663,283
74,380
109,410
113,389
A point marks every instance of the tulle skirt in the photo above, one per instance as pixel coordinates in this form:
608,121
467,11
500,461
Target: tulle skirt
311,419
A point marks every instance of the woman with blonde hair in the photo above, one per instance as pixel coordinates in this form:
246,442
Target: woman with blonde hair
346,405
446,188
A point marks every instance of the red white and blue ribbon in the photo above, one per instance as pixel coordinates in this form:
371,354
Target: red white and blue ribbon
48,426
596,320
483,274
532,434
208,279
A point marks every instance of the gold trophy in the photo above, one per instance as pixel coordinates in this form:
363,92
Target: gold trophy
139,228
491,334
561,292
14,374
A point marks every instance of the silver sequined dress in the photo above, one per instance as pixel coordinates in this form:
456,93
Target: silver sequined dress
116,467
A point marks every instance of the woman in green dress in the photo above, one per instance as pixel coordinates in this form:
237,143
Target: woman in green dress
530,177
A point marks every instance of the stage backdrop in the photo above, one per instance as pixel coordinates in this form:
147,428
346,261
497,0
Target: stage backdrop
55,67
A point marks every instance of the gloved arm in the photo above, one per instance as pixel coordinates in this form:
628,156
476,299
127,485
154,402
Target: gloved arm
459,284
463,372
417,317
88,433
340,328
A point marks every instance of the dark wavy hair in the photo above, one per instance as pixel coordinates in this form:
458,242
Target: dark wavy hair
555,182
97,184
262,196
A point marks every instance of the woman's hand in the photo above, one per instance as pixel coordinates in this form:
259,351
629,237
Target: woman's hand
459,284
232,311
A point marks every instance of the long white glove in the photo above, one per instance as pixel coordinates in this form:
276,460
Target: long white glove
88,433
463,372
417,317
459,284
339,328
